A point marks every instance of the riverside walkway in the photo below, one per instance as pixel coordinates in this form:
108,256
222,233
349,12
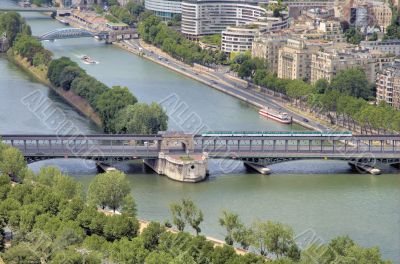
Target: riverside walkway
259,147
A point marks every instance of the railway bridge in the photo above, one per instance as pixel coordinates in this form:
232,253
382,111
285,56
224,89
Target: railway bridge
184,156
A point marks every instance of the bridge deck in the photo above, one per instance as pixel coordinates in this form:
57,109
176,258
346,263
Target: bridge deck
386,147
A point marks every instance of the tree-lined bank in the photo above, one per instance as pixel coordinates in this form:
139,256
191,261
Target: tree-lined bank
115,106
49,219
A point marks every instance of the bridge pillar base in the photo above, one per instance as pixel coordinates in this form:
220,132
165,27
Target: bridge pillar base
395,165
258,168
191,168
102,167
361,167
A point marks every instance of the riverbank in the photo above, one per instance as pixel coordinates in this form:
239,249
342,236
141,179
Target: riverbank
211,79
77,102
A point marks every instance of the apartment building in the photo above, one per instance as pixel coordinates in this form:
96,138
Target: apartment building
207,17
388,85
267,47
391,46
380,13
294,59
326,63
240,38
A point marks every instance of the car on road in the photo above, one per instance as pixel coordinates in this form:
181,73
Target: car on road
305,120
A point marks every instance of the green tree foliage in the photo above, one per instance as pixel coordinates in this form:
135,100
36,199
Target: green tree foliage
153,31
275,238
186,212
354,36
177,216
120,226
12,24
321,86
51,223
129,206
109,189
352,82
12,162
111,102
56,69
88,88
68,75
135,8
31,49
141,118
151,235
232,223
123,14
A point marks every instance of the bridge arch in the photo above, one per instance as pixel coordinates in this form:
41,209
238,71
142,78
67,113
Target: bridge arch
65,33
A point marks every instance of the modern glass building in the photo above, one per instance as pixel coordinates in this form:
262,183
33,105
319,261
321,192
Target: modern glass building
165,9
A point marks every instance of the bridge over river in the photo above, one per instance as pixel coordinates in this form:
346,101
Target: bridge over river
255,149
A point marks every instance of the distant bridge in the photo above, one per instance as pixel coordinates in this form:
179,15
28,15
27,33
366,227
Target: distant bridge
67,33
262,150
29,9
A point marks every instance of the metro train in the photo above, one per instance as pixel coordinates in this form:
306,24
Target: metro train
277,134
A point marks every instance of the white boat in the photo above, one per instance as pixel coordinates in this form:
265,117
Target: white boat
87,60
281,117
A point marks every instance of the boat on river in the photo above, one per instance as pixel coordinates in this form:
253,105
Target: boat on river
88,60
281,117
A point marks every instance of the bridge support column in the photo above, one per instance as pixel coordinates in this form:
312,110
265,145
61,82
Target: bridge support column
192,169
103,167
259,168
363,167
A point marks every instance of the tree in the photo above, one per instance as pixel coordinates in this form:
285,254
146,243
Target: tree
352,82
109,189
68,75
151,235
126,251
20,253
354,36
13,24
56,68
12,162
243,235
141,118
129,206
231,223
120,226
28,47
222,255
192,214
275,238
177,216
321,86
5,186
111,102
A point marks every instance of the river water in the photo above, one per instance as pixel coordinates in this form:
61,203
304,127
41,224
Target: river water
320,197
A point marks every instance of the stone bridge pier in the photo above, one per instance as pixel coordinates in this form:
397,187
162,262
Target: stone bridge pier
177,159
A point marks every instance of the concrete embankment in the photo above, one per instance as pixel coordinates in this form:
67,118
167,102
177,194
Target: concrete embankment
80,104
